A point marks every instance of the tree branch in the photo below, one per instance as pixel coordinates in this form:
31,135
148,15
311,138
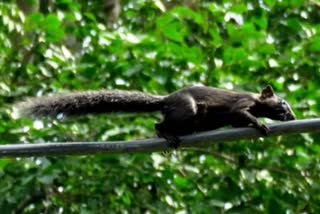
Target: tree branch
155,144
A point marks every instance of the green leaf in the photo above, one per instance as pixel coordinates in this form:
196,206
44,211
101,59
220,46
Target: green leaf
34,22
270,3
171,28
294,23
54,30
234,55
181,182
315,44
186,12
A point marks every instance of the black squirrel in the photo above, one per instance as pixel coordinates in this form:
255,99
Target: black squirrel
186,111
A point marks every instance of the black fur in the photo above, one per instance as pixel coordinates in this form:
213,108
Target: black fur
186,111
91,102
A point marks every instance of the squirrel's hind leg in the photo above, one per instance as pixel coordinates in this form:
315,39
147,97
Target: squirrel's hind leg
179,114
164,131
171,130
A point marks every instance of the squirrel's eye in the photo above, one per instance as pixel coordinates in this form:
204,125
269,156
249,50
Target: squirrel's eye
282,102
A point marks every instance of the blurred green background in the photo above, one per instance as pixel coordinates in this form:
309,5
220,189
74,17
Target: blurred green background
158,46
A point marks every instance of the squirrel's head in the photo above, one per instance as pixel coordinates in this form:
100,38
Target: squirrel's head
275,107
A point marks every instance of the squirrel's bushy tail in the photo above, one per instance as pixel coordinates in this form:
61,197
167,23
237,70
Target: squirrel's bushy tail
91,102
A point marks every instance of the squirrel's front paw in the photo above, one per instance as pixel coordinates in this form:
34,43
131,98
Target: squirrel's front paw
173,141
264,129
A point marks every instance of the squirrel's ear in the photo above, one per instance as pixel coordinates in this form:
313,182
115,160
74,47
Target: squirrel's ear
267,92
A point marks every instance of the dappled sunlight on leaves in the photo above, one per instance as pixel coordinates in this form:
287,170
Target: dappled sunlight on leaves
158,47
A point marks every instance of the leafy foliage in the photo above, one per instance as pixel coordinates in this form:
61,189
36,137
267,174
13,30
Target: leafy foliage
158,46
